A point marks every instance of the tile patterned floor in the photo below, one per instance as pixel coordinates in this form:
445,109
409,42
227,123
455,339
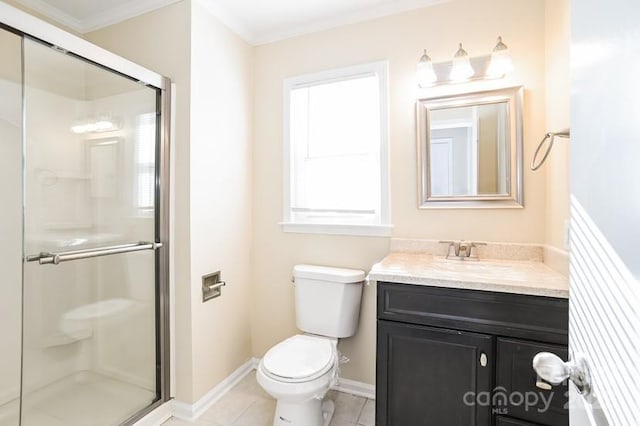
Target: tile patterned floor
248,405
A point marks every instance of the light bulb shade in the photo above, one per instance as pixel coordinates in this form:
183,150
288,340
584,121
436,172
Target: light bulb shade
461,68
425,75
501,62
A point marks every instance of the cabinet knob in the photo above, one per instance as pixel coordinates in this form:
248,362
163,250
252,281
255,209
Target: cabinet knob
552,369
483,359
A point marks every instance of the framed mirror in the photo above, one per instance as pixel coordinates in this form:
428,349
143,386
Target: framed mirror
470,150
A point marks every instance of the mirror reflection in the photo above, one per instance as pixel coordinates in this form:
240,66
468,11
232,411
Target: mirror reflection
470,149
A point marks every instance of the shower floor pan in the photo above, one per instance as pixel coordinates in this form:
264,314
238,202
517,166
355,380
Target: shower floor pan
81,399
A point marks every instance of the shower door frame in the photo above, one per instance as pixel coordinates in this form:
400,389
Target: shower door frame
27,26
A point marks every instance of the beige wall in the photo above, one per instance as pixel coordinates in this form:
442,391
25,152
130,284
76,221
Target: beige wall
212,68
558,116
161,41
221,108
399,39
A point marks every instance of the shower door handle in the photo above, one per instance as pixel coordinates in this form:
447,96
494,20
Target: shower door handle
46,258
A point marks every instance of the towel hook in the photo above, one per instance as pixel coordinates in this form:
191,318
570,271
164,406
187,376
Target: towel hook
564,133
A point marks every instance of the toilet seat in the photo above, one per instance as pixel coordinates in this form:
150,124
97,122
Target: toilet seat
299,358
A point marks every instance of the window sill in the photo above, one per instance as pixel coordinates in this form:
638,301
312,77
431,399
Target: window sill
336,229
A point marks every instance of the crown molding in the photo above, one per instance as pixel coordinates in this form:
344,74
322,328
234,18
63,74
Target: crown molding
98,20
53,13
124,12
353,17
234,23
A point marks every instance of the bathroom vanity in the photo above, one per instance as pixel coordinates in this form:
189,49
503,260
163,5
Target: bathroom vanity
456,339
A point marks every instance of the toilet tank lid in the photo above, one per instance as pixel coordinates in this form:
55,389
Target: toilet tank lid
326,273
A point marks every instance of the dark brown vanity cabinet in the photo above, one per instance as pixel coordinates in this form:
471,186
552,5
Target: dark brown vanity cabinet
454,357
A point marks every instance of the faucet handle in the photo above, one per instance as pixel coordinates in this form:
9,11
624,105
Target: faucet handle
476,244
454,244
470,246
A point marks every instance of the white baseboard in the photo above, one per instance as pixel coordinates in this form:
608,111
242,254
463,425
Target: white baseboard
190,412
157,416
353,387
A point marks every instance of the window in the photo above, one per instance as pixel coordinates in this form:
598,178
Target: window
335,145
145,157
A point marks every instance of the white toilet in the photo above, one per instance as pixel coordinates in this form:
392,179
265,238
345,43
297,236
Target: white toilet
299,370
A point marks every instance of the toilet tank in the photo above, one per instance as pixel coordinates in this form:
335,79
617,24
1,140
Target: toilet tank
327,299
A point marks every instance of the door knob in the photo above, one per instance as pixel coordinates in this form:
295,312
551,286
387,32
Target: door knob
554,370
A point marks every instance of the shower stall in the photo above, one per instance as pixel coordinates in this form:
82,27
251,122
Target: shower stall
83,231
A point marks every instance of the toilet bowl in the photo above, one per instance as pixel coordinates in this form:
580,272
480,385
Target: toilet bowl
299,371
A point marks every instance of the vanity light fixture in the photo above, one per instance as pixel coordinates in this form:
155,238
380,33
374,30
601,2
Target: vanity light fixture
424,71
501,62
461,68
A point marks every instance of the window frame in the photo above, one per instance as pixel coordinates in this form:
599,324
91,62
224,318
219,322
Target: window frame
383,227
144,167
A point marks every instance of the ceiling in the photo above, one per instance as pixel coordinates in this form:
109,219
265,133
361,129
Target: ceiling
257,21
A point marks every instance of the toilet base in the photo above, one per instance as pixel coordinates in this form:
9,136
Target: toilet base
314,412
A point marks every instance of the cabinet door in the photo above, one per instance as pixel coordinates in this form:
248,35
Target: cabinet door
517,384
505,421
432,377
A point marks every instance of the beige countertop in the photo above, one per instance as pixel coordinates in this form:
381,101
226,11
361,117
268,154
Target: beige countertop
507,276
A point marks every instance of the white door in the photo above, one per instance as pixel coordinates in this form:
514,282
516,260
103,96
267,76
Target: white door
605,208
441,166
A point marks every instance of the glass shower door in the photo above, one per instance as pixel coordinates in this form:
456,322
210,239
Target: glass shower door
90,305
10,225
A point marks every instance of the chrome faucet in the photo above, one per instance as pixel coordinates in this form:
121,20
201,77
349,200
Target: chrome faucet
462,249
465,249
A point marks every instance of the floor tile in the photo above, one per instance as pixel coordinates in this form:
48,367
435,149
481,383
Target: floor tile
177,422
348,407
250,386
229,408
248,405
260,413
368,414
